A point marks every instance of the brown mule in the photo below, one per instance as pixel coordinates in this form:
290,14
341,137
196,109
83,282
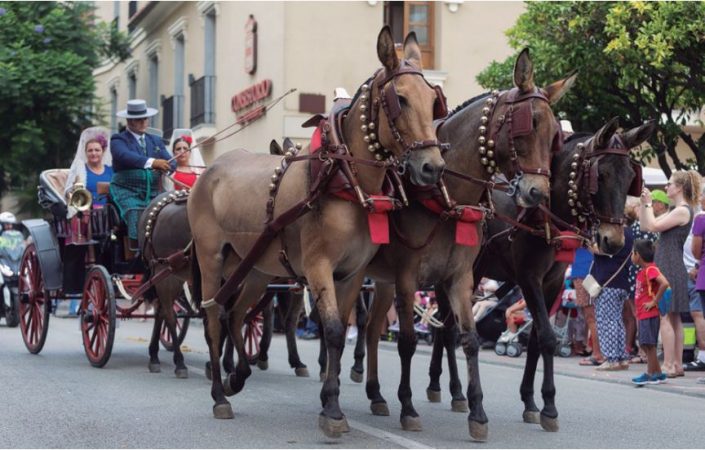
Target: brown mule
423,251
330,246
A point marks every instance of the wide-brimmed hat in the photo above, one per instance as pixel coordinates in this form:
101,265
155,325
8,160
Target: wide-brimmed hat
660,196
137,109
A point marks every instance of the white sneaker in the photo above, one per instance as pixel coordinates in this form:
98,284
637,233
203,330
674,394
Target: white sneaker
352,333
504,337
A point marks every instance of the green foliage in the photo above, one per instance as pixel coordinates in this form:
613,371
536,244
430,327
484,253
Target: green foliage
635,60
48,51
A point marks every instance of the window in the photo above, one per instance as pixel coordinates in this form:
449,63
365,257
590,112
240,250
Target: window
116,15
131,9
132,85
113,109
403,17
179,75
153,85
209,68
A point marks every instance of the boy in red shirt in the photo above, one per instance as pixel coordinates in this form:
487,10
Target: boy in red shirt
650,286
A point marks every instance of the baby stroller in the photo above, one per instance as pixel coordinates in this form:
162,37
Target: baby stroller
491,322
512,344
562,331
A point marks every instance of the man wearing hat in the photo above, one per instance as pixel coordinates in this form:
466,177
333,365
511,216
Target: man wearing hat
660,202
138,158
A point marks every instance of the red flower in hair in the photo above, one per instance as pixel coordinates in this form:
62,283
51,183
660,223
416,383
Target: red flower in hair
186,138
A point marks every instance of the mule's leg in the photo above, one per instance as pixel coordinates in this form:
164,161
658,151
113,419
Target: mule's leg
228,347
459,293
358,369
267,332
322,351
458,401
167,296
291,318
384,297
406,346
154,364
254,285
435,368
531,411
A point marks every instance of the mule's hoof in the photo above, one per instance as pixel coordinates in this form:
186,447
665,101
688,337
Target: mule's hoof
227,389
433,396
459,406
531,417
263,365
181,373
223,411
409,423
355,375
549,424
209,374
322,377
301,372
478,431
379,409
332,428
155,368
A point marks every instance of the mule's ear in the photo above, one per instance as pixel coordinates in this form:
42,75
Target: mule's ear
556,90
636,136
412,51
524,72
385,50
274,148
604,134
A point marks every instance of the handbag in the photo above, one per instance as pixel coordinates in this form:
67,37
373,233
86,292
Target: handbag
594,288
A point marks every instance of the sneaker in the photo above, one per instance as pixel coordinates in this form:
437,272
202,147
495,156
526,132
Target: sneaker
642,379
694,366
700,380
660,378
394,327
352,333
504,338
309,335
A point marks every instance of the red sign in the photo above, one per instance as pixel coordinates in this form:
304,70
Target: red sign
251,45
248,97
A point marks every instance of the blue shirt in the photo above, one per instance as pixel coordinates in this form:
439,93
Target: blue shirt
581,265
92,180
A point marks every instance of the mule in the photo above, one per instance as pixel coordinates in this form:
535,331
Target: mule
527,259
514,131
331,245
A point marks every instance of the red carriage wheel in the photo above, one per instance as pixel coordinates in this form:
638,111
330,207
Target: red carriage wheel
182,311
98,316
252,331
35,304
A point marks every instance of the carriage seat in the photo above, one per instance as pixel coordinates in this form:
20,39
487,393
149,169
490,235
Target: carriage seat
53,182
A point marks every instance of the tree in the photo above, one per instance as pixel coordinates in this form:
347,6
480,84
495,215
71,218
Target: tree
636,60
48,51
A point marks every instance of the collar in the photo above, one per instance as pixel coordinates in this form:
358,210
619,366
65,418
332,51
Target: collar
137,136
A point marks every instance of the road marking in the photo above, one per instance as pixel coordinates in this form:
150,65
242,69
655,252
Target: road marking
196,370
401,441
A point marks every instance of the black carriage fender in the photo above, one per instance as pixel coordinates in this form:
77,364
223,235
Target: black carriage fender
47,252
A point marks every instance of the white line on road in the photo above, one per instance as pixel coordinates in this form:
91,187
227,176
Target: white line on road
401,441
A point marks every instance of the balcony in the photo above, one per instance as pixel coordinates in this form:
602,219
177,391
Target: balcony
202,95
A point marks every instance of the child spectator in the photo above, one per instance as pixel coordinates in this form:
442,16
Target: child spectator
650,286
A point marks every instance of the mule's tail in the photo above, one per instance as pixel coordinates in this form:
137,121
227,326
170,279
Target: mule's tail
197,292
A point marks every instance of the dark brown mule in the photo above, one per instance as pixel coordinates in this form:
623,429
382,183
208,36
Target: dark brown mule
159,239
529,261
514,131
331,245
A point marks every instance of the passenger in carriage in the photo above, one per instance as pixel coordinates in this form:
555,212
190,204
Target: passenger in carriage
189,163
92,164
134,152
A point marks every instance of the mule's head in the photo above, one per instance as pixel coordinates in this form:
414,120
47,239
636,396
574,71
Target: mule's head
399,120
612,176
521,133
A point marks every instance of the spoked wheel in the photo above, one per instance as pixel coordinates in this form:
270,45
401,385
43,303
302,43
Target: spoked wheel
182,311
98,316
252,332
35,304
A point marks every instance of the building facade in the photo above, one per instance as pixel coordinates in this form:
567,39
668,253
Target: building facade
211,66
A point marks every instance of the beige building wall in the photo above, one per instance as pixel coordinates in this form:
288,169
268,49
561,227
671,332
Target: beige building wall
311,46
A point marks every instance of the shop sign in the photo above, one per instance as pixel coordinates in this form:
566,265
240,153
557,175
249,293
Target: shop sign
251,45
242,103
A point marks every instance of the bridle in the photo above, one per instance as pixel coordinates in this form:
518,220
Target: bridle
388,99
514,110
584,181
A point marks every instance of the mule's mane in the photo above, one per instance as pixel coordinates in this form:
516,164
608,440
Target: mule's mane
466,103
575,136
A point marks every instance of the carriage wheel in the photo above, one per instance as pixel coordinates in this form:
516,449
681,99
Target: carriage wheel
98,316
35,304
182,311
252,332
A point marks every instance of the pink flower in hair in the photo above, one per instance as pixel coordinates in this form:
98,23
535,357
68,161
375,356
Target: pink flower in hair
186,138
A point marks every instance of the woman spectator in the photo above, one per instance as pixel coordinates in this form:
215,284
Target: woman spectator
612,273
189,162
578,272
683,189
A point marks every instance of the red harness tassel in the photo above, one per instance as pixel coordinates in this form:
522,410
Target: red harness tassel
377,216
569,243
466,219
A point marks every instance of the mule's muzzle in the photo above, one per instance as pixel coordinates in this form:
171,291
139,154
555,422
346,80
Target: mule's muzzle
609,240
425,167
530,195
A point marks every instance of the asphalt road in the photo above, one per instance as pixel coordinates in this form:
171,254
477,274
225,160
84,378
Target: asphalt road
56,399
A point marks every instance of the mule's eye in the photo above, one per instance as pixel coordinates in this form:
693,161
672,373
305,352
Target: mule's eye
403,102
